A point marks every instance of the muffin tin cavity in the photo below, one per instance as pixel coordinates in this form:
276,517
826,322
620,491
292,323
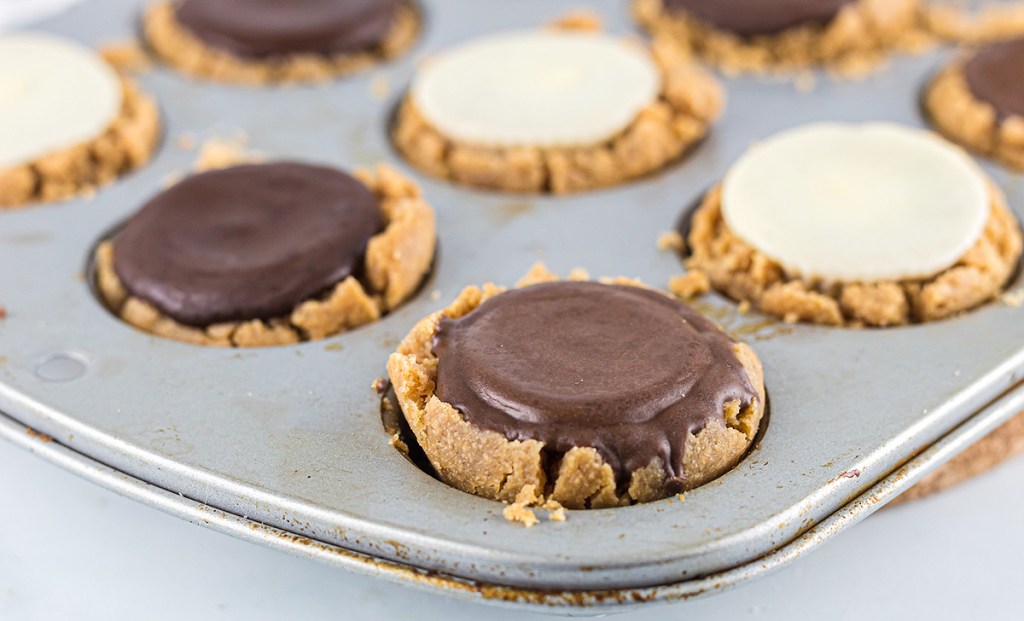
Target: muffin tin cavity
899,248
655,109
69,123
267,254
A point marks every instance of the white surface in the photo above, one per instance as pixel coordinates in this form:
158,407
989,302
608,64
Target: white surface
14,13
54,94
539,88
851,203
72,550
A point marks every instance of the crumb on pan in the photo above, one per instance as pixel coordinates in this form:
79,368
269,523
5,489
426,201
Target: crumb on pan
218,152
556,512
128,56
1013,298
380,87
583,20
671,240
185,141
399,444
519,510
689,284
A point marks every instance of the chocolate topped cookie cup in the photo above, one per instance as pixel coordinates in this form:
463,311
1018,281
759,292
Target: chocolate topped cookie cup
978,101
269,41
761,35
268,254
588,394
561,110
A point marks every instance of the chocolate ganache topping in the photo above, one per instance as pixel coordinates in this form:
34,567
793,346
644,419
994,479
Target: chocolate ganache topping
625,370
264,28
748,18
996,76
250,242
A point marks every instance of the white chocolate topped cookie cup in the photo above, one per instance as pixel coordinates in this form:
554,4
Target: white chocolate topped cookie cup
857,202
54,94
536,88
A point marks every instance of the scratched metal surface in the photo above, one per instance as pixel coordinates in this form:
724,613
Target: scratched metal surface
291,437
573,603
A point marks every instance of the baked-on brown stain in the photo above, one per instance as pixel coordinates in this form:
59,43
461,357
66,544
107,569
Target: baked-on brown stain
625,370
748,18
249,242
267,28
996,76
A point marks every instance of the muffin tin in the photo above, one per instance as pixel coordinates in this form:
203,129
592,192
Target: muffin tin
285,445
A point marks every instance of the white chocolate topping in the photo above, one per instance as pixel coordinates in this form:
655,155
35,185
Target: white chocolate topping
54,94
542,89
857,203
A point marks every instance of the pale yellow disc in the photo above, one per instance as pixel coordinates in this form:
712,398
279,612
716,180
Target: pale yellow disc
54,94
857,203
537,88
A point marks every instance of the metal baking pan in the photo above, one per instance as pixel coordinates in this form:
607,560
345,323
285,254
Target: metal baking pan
285,445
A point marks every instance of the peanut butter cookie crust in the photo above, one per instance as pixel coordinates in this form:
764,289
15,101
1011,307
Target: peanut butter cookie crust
741,272
689,101
488,464
955,111
855,40
172,42
127,144
396,261
991,21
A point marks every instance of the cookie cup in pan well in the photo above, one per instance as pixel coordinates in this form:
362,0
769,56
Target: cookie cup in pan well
688,102
956,112
127,143
395,263
742,272
488,464
179,48
856,39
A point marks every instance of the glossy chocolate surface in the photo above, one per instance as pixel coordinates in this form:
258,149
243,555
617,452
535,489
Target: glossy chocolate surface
626,370
249,242
996,76
267,28
748,18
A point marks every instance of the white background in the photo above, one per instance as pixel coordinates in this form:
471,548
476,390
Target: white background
72,550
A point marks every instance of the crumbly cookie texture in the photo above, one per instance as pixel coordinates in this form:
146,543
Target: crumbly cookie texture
396,261
990,22
853,43
487,464
179,48
743,273
689,101
957,113
127,144
1002,444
